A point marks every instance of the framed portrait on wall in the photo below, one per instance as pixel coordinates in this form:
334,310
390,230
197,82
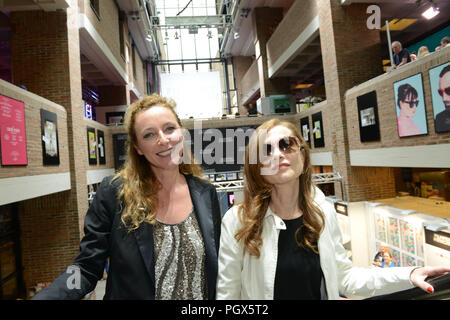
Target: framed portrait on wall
101,147
440,95
369,128
304,128
92,145
410,106
317,132
49,133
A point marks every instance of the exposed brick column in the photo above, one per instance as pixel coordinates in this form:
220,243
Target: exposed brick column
46,59
265,20
351,54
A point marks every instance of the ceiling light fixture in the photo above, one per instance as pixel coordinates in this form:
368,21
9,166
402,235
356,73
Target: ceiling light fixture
431,12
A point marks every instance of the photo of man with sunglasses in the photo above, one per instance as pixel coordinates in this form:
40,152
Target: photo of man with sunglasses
442,120
407,102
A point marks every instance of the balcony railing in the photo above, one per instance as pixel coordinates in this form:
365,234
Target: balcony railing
440,284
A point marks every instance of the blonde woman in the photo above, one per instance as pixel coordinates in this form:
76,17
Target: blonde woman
422,52
283,240
156,220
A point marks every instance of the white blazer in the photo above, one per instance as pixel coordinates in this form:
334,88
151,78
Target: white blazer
242,276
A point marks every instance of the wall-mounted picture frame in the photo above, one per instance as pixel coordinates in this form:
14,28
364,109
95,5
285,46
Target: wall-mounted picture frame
49,134
440,96
13,136
410,106
317,131
369,127
115,118
101,147
304,129
119,149
92,145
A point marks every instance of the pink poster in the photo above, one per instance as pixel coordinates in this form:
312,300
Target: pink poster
12,130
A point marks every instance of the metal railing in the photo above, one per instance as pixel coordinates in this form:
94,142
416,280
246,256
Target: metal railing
440,284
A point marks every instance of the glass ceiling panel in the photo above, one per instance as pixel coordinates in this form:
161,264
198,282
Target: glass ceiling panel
179,44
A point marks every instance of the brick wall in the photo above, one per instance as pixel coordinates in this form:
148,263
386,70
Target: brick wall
38,43
49,237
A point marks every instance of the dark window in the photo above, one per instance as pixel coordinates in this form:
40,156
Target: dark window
95,5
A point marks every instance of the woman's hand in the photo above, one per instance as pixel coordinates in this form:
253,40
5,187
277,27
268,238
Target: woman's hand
419,275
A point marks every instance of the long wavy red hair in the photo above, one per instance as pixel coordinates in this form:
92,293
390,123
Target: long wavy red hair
139,184
257,193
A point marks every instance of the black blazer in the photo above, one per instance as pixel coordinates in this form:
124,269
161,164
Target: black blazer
132,268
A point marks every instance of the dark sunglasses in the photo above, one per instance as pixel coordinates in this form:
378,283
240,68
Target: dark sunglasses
286,145
446,90
412,104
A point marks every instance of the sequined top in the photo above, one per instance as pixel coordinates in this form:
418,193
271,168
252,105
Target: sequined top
179,260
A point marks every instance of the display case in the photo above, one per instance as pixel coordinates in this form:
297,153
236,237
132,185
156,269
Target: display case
403,230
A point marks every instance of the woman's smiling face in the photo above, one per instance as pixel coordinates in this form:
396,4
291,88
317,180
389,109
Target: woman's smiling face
158,136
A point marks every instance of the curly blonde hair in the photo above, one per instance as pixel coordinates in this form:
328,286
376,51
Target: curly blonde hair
139,186
257,193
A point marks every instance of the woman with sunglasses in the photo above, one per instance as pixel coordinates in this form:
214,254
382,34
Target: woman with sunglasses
283,240
407,103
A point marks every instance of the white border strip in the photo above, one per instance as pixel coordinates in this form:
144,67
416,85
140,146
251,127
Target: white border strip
321,159
426,156
96,176
28,187
302,39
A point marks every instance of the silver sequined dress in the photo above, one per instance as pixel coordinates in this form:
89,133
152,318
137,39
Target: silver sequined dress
179,260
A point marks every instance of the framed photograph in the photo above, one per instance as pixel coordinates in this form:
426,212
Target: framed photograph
92,143
410,106
317,132
304,128
369,129
101,147
13,136
114,117
231,176
119,149
49,133
220,177
440,95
